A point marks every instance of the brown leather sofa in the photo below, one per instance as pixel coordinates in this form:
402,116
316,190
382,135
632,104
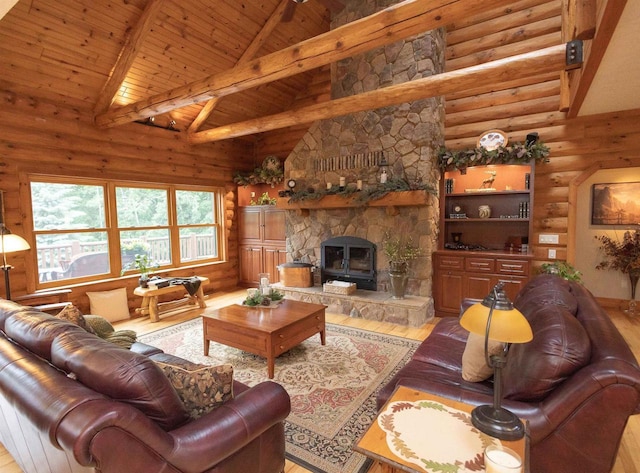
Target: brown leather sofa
576,383
72,402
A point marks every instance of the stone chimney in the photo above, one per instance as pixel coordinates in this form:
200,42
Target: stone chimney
407,136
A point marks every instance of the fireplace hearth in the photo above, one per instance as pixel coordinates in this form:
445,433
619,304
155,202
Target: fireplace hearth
349,259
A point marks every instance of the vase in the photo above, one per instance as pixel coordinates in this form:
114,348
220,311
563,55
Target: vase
398,278
143,281
634,276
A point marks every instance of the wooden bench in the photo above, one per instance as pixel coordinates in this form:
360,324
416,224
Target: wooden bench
151,307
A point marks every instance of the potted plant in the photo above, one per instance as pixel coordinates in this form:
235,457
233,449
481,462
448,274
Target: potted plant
563,269
400,252
623,256
144,264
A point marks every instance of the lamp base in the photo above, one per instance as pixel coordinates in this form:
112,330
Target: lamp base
499,423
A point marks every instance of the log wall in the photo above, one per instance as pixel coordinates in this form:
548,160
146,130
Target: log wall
578,145
47,136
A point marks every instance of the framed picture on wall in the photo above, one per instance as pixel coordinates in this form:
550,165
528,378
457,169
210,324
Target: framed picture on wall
615,203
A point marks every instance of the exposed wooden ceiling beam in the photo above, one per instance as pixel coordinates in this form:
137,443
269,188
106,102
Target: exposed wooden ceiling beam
397,22
249,53
127,55
543,61
594,53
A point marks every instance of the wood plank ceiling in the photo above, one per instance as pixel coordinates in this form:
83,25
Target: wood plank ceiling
67,49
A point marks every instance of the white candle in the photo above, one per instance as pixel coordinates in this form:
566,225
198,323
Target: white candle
328,186
359,184
342,181
501,460
383,176
264,282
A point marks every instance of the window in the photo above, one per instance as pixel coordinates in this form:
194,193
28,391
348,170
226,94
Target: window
93,230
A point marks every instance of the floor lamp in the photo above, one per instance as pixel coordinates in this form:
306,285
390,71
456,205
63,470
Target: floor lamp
495,318
9,243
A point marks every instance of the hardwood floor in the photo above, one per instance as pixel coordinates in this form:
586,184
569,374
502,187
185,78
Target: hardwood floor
628,456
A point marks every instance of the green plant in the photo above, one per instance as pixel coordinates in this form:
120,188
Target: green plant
399,250
264,199
512,154
143,263
257,298
270,172
563,269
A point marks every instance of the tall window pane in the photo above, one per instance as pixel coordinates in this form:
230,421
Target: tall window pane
197,225
146,210
60,214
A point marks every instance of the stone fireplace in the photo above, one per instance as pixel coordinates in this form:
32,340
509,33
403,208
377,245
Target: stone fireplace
401,141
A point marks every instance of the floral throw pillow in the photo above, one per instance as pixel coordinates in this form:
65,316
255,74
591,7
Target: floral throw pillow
73,315
201,388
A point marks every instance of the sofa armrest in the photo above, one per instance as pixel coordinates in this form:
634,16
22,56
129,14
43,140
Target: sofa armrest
93,430
240,421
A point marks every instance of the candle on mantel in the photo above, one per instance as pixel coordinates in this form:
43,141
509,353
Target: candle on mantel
359,184
328,186
342,182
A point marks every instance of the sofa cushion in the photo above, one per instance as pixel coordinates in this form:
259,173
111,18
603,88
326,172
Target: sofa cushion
201,388
112,305
36,330
560,346
546,289
120,374
73,315
474,361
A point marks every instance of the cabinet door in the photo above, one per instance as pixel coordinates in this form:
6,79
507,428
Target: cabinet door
512,285
250,224
250,264
477,286
274,226
448,291
273,257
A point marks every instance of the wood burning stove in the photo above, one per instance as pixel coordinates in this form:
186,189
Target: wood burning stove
349,259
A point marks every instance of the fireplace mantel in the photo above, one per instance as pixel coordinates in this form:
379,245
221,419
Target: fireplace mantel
391,200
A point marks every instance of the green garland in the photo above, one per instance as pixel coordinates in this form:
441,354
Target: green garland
268,173
364,196
517,153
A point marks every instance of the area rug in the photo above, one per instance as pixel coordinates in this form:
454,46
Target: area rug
332,388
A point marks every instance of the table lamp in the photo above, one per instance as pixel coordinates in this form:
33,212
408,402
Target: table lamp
495,318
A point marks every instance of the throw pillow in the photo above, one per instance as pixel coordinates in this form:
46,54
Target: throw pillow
474,363
202,388
101,326
112,305
122,338
73,315
103,329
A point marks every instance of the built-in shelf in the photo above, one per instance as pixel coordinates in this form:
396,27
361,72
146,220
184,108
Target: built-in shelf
392,199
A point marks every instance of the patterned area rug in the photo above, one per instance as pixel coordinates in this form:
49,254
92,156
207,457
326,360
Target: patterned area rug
332,387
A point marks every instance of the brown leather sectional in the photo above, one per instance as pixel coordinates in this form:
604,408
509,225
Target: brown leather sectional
576,383
72,402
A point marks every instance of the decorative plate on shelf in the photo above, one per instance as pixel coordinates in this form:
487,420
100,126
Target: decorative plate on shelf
434,437
492,139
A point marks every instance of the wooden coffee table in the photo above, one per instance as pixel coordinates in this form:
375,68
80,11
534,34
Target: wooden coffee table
267,332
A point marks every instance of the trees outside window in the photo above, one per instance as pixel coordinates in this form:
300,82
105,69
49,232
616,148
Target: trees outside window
93,229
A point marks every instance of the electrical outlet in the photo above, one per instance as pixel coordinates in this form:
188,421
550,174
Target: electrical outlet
548,239
552,254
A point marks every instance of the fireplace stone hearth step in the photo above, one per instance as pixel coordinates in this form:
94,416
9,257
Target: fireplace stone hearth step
412,311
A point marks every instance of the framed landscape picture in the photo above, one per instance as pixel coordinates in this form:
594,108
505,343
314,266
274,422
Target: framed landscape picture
616,203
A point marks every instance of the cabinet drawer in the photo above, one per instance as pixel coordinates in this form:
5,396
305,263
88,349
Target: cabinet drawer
451,262
483,265
521,268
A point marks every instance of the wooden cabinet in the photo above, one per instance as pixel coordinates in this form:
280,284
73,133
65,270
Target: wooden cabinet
459,275
261,242
485,222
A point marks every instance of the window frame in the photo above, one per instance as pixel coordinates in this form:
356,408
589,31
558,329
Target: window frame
113,230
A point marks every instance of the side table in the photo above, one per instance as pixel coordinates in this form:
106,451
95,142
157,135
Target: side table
418,432
151,307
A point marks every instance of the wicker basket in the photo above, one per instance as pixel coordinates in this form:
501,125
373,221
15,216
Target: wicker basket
341,289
